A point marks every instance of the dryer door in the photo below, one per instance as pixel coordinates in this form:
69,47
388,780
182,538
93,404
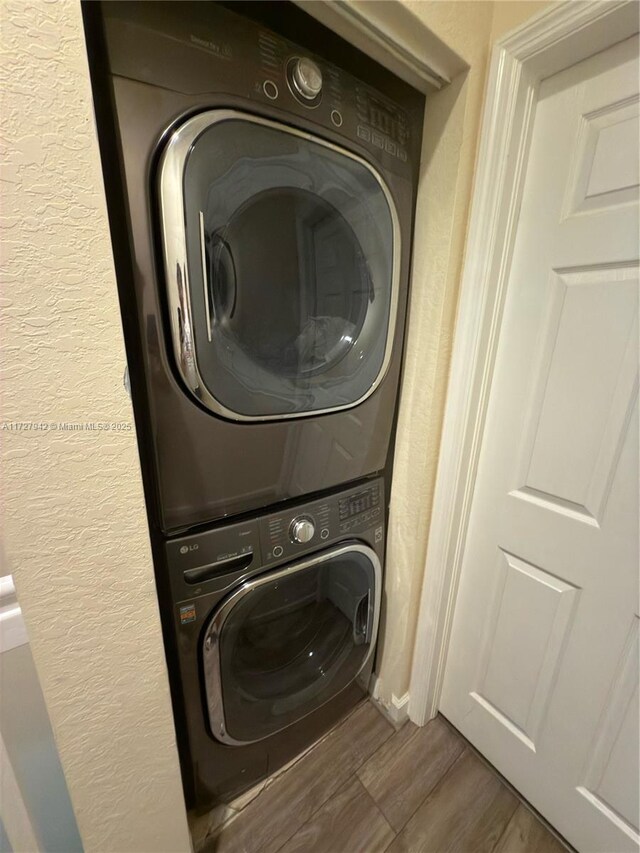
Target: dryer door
281,261
288,641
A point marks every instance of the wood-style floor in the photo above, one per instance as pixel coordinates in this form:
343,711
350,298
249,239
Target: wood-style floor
367,788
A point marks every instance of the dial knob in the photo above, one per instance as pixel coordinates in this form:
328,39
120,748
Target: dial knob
306,78
302,530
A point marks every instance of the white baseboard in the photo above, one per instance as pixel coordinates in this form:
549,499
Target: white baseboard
396,710
13,631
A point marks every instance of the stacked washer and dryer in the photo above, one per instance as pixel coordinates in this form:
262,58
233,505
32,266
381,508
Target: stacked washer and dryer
261,198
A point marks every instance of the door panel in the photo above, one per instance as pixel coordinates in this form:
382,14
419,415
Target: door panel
542,672
583,391
611,779
519,658
286,642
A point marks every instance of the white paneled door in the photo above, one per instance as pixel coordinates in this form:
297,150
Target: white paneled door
542,672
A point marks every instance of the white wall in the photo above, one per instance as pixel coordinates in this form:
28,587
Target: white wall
74,520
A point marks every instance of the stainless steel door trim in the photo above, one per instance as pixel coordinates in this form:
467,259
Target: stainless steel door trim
205,277
211,639
173,224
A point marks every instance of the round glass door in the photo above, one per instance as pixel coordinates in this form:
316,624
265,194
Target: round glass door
281,253
289,285
287,642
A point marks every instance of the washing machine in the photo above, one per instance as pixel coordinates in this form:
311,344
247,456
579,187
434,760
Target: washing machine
275,620
261,199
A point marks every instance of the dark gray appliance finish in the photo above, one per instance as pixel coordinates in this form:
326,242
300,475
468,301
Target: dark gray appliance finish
164,64
275,637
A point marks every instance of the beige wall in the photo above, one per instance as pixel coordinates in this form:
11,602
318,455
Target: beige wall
74,523
75,529
451,129
509,15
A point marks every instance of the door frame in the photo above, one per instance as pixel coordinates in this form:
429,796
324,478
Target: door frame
554,40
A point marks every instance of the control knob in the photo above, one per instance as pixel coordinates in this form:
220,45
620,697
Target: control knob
302,530
306,77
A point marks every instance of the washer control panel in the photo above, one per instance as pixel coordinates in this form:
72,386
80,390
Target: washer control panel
216,559
286,534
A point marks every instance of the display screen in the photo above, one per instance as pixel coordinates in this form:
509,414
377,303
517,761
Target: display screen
360,502
390,123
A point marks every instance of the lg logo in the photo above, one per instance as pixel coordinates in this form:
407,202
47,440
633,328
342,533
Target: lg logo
184,549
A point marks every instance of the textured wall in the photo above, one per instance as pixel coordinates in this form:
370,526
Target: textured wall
74,522
452,124
509,15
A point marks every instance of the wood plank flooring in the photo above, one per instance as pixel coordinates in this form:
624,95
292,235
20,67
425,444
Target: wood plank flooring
367,788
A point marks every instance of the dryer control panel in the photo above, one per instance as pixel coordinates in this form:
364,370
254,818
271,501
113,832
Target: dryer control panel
217,559
204,49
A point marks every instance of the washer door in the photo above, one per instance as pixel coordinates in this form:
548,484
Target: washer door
287,642
281,261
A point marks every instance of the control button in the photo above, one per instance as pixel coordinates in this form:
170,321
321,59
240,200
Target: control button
377,139
390,147
302,530
364,133
306,78
277,551
270,89
336,118
402,154
324,533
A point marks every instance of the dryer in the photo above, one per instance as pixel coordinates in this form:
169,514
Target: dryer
261,201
